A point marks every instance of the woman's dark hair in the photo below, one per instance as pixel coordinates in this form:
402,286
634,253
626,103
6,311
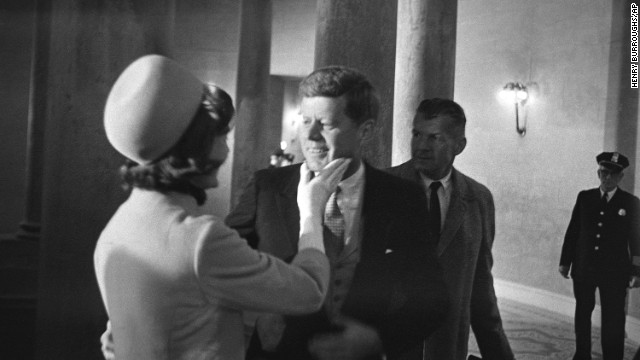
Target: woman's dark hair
189,157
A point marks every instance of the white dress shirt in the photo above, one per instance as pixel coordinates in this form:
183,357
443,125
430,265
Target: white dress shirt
350,204
609,193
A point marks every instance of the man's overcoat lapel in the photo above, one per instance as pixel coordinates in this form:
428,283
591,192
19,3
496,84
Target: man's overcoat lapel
460,197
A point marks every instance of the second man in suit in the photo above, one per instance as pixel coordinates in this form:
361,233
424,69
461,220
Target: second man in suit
462,221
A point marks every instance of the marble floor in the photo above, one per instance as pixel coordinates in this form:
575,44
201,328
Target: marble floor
536,334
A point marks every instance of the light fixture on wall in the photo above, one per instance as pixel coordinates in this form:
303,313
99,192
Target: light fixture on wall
516,93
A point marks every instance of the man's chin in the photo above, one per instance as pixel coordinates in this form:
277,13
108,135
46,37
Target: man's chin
422,165
427,171
316,164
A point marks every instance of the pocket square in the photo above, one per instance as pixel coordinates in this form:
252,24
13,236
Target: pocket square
388,251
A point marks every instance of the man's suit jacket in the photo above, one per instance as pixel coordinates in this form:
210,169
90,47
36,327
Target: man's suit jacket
397,287
619,236
464,251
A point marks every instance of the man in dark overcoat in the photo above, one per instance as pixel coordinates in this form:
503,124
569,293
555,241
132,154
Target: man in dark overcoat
462,222
602,250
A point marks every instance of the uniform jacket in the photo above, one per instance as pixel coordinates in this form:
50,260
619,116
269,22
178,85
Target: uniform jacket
174,281
397,286
464,251
618,229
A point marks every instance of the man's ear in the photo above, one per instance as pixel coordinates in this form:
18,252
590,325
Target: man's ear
460,145
366,130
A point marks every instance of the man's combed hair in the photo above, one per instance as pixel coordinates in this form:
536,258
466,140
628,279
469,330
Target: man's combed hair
432,108
189,157
334,81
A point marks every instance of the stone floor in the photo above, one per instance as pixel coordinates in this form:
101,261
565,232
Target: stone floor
535,334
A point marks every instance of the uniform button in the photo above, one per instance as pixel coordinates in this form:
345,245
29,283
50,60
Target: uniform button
601,212
597,248
336,298
338,282
600,224
598,236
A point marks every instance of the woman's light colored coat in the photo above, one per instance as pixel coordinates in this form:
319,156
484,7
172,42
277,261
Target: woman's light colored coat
175,281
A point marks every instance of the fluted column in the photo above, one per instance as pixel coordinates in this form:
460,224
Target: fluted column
425,63
361,34
89,44
253,138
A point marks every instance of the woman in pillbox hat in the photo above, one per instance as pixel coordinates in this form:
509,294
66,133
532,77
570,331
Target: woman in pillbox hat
175,280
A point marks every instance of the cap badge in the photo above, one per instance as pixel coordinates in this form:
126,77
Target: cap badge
614,157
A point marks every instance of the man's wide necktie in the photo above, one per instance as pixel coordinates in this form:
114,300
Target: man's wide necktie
434,210
333,226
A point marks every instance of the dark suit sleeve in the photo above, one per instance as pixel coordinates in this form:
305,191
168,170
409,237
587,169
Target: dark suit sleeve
485,315
423,302
243,217
571,236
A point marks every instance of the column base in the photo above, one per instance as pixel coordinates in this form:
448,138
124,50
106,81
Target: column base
29,231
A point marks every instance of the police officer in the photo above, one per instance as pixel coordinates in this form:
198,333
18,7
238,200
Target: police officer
604,229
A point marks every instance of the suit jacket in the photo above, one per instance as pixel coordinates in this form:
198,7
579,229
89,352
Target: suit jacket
397,287
615,233
464,251
174,280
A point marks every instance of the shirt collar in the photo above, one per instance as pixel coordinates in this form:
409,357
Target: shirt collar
610,193
445,181
353,182
349,186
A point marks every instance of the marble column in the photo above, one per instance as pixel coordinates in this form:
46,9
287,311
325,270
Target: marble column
425,63
621,116
275,113
206,42
362,34
89,44
30,226
253,139
621,131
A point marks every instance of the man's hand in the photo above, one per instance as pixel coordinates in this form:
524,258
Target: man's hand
356,341
108,347
564,271
634,282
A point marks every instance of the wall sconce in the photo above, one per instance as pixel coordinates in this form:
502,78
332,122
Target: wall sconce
517,93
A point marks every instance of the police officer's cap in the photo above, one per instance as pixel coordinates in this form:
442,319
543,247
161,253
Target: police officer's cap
613,160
